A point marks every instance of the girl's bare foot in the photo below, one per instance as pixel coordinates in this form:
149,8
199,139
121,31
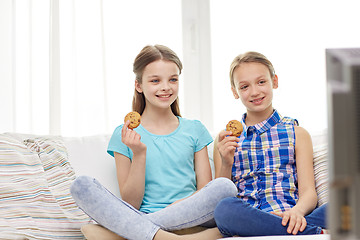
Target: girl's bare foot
97,232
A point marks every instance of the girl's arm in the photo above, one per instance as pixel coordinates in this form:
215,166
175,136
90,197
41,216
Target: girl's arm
305,171
202,168
131,174
306,183
224,150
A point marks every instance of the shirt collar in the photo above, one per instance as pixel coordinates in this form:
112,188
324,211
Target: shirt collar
264,125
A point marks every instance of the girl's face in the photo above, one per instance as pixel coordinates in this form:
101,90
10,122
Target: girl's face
254,86
160,83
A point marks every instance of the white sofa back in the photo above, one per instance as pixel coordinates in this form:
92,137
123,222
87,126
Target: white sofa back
88,156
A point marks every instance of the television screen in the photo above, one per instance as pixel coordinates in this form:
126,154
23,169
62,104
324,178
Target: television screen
343,85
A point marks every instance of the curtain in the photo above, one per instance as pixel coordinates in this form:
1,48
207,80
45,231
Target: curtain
66,66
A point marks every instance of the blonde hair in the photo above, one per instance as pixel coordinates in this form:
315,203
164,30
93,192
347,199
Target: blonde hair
146,56
249,57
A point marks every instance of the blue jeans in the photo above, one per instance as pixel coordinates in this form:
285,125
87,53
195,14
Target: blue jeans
126,221
234,217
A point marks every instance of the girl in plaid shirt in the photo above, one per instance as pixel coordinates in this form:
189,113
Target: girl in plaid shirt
276,189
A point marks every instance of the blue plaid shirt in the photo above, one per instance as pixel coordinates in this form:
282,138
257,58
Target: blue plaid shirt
264,168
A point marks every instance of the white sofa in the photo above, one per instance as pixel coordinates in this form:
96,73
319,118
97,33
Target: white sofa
36,172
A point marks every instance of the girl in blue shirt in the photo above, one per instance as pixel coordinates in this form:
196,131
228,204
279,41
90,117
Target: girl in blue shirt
162,166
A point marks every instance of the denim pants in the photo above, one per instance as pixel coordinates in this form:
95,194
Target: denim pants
126,221
235,217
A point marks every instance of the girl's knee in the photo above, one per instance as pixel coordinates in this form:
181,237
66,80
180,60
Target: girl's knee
81,184
225,186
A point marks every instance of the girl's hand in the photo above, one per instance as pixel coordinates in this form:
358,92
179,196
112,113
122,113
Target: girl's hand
294,218
227,145
132,139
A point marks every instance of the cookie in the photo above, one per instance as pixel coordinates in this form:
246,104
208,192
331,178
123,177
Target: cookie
134,118
235,127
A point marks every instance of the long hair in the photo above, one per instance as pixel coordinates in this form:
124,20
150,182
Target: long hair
249,57
146,56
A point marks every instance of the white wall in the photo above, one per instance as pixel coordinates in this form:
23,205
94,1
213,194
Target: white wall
294,36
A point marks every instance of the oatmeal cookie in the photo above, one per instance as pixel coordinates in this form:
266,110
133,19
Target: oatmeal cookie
134,118
235,127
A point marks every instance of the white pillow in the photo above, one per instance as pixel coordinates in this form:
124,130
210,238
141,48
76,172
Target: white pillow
88,156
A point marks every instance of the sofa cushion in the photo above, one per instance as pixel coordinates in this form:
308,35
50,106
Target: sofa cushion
321,173
88,156
35,177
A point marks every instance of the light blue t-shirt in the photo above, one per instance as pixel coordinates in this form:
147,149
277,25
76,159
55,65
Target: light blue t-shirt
169,174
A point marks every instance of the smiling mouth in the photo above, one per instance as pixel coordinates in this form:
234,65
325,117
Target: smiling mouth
258,100
164,96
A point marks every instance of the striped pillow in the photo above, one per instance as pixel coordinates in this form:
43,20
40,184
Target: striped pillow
321,173
35,202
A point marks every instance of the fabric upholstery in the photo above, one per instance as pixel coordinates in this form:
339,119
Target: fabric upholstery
35,202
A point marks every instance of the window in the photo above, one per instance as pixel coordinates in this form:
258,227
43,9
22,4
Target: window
294,36
99,44
92,49
98,41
